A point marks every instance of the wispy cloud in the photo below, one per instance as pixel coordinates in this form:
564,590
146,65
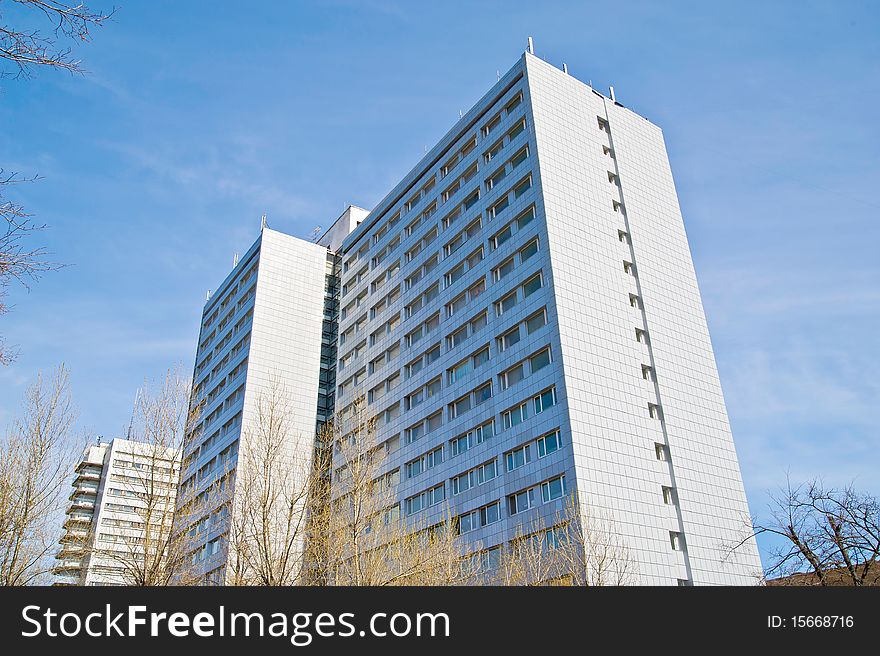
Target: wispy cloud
793,343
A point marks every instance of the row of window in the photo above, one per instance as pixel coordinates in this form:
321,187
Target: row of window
210,497
472,438
444,172
424,359
113,538
474,477
507,168
473,399
219,435
423,427
422,300
425,499
452,276
525,368
464,368
499,145
514,459
431,293
228,298
241,325
529,326
519,188
233,398
432,234
122,523
151,482
422,394
207,550
210,521
376,393
124,493
550,491
511,299
146,462
470,262
539,448
119,507
205,358
533,406
516,260
519,502
221,462
452,307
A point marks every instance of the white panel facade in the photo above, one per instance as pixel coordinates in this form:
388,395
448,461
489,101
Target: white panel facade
621,262
286,328
707,475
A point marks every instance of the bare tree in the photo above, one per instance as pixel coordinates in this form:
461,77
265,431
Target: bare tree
148,551
22,51
358,531
597,552
198,511
35,459
831,533
531,557
272,482
19,262
580,546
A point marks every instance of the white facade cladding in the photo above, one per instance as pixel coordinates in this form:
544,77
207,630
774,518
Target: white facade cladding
523,316
264,328
108,518
621,263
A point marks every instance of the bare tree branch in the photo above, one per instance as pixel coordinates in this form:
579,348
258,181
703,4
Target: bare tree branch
25,49
22,51
580,546
35,459
829,533
358,534
271,509
19,262
147,549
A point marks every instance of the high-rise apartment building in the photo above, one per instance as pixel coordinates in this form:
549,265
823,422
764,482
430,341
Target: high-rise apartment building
122,491
270,325
522,315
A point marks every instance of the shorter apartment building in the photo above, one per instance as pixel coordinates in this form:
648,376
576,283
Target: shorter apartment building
122,491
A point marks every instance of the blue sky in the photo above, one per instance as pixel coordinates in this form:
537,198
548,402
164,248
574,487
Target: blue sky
197,117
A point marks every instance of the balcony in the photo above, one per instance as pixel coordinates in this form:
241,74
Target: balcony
66,580
71,565
82,500
74,536
86,480
77,520
89,473
70,552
